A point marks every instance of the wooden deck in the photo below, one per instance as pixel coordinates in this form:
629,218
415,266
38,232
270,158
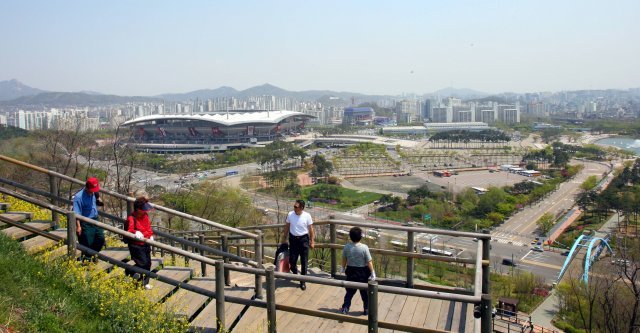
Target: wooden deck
407,310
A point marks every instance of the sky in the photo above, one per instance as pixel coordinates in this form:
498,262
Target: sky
371,47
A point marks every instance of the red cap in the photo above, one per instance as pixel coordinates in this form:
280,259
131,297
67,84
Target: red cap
92,185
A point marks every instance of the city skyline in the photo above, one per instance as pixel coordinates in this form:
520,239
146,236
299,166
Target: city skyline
152,48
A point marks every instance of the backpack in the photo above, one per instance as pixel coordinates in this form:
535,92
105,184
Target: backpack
281,260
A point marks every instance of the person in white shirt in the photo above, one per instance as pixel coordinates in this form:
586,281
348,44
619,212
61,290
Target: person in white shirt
299,230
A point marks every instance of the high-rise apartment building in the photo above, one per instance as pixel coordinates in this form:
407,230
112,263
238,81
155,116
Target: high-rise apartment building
408,111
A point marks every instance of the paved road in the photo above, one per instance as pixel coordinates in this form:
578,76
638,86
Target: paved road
521,227
512,240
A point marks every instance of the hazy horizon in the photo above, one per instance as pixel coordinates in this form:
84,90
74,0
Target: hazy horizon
150,48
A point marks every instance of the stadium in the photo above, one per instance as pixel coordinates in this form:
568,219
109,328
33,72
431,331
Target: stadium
203,133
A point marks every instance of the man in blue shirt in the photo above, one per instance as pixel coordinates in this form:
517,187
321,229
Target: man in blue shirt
84,203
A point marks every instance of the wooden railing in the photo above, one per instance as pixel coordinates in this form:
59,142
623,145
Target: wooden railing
479,297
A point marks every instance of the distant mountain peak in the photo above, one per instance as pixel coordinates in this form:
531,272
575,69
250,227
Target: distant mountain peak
13,88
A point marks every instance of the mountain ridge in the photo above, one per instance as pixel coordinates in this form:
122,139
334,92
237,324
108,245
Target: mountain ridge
15,93
12,89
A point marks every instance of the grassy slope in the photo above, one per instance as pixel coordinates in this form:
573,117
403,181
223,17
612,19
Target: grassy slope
34,299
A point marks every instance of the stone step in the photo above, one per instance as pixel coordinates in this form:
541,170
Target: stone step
119,254
160,289
17,233
186,303
41,243
27,215
15,217
155,263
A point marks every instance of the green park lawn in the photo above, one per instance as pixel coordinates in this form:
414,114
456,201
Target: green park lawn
344,198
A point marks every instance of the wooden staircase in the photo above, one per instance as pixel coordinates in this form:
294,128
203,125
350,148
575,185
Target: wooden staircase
200,310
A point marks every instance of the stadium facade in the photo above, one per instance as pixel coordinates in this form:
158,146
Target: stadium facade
205,133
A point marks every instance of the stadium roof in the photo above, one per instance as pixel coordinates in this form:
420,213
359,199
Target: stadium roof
230,119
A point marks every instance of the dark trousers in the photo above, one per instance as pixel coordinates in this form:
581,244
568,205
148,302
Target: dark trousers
141,255
298,247
92,237
356,274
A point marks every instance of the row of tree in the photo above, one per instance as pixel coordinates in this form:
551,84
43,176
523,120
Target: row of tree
470,139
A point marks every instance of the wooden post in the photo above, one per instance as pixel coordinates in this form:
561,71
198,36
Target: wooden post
186,259
72,237
334,255
53,190
203,266
271,300
220,295
258,259
173,254
225,247
372,290
410,260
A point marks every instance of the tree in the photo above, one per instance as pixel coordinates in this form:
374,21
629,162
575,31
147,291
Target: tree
545,223
489,201
211,201
550,134
321,167
589,183
416,195
277,153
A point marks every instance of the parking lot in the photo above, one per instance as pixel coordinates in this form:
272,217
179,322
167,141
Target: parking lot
456,183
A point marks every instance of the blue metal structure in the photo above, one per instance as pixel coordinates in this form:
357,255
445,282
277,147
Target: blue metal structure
589,242
588,260
567,261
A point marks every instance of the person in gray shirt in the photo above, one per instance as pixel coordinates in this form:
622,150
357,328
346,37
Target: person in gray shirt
359,268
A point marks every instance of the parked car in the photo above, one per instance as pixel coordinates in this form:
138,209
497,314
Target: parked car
509,262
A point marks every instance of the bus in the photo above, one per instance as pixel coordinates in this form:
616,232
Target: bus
438,252
231,172
442,173
480,190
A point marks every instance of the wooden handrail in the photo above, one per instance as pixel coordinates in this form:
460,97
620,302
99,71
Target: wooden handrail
130,199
